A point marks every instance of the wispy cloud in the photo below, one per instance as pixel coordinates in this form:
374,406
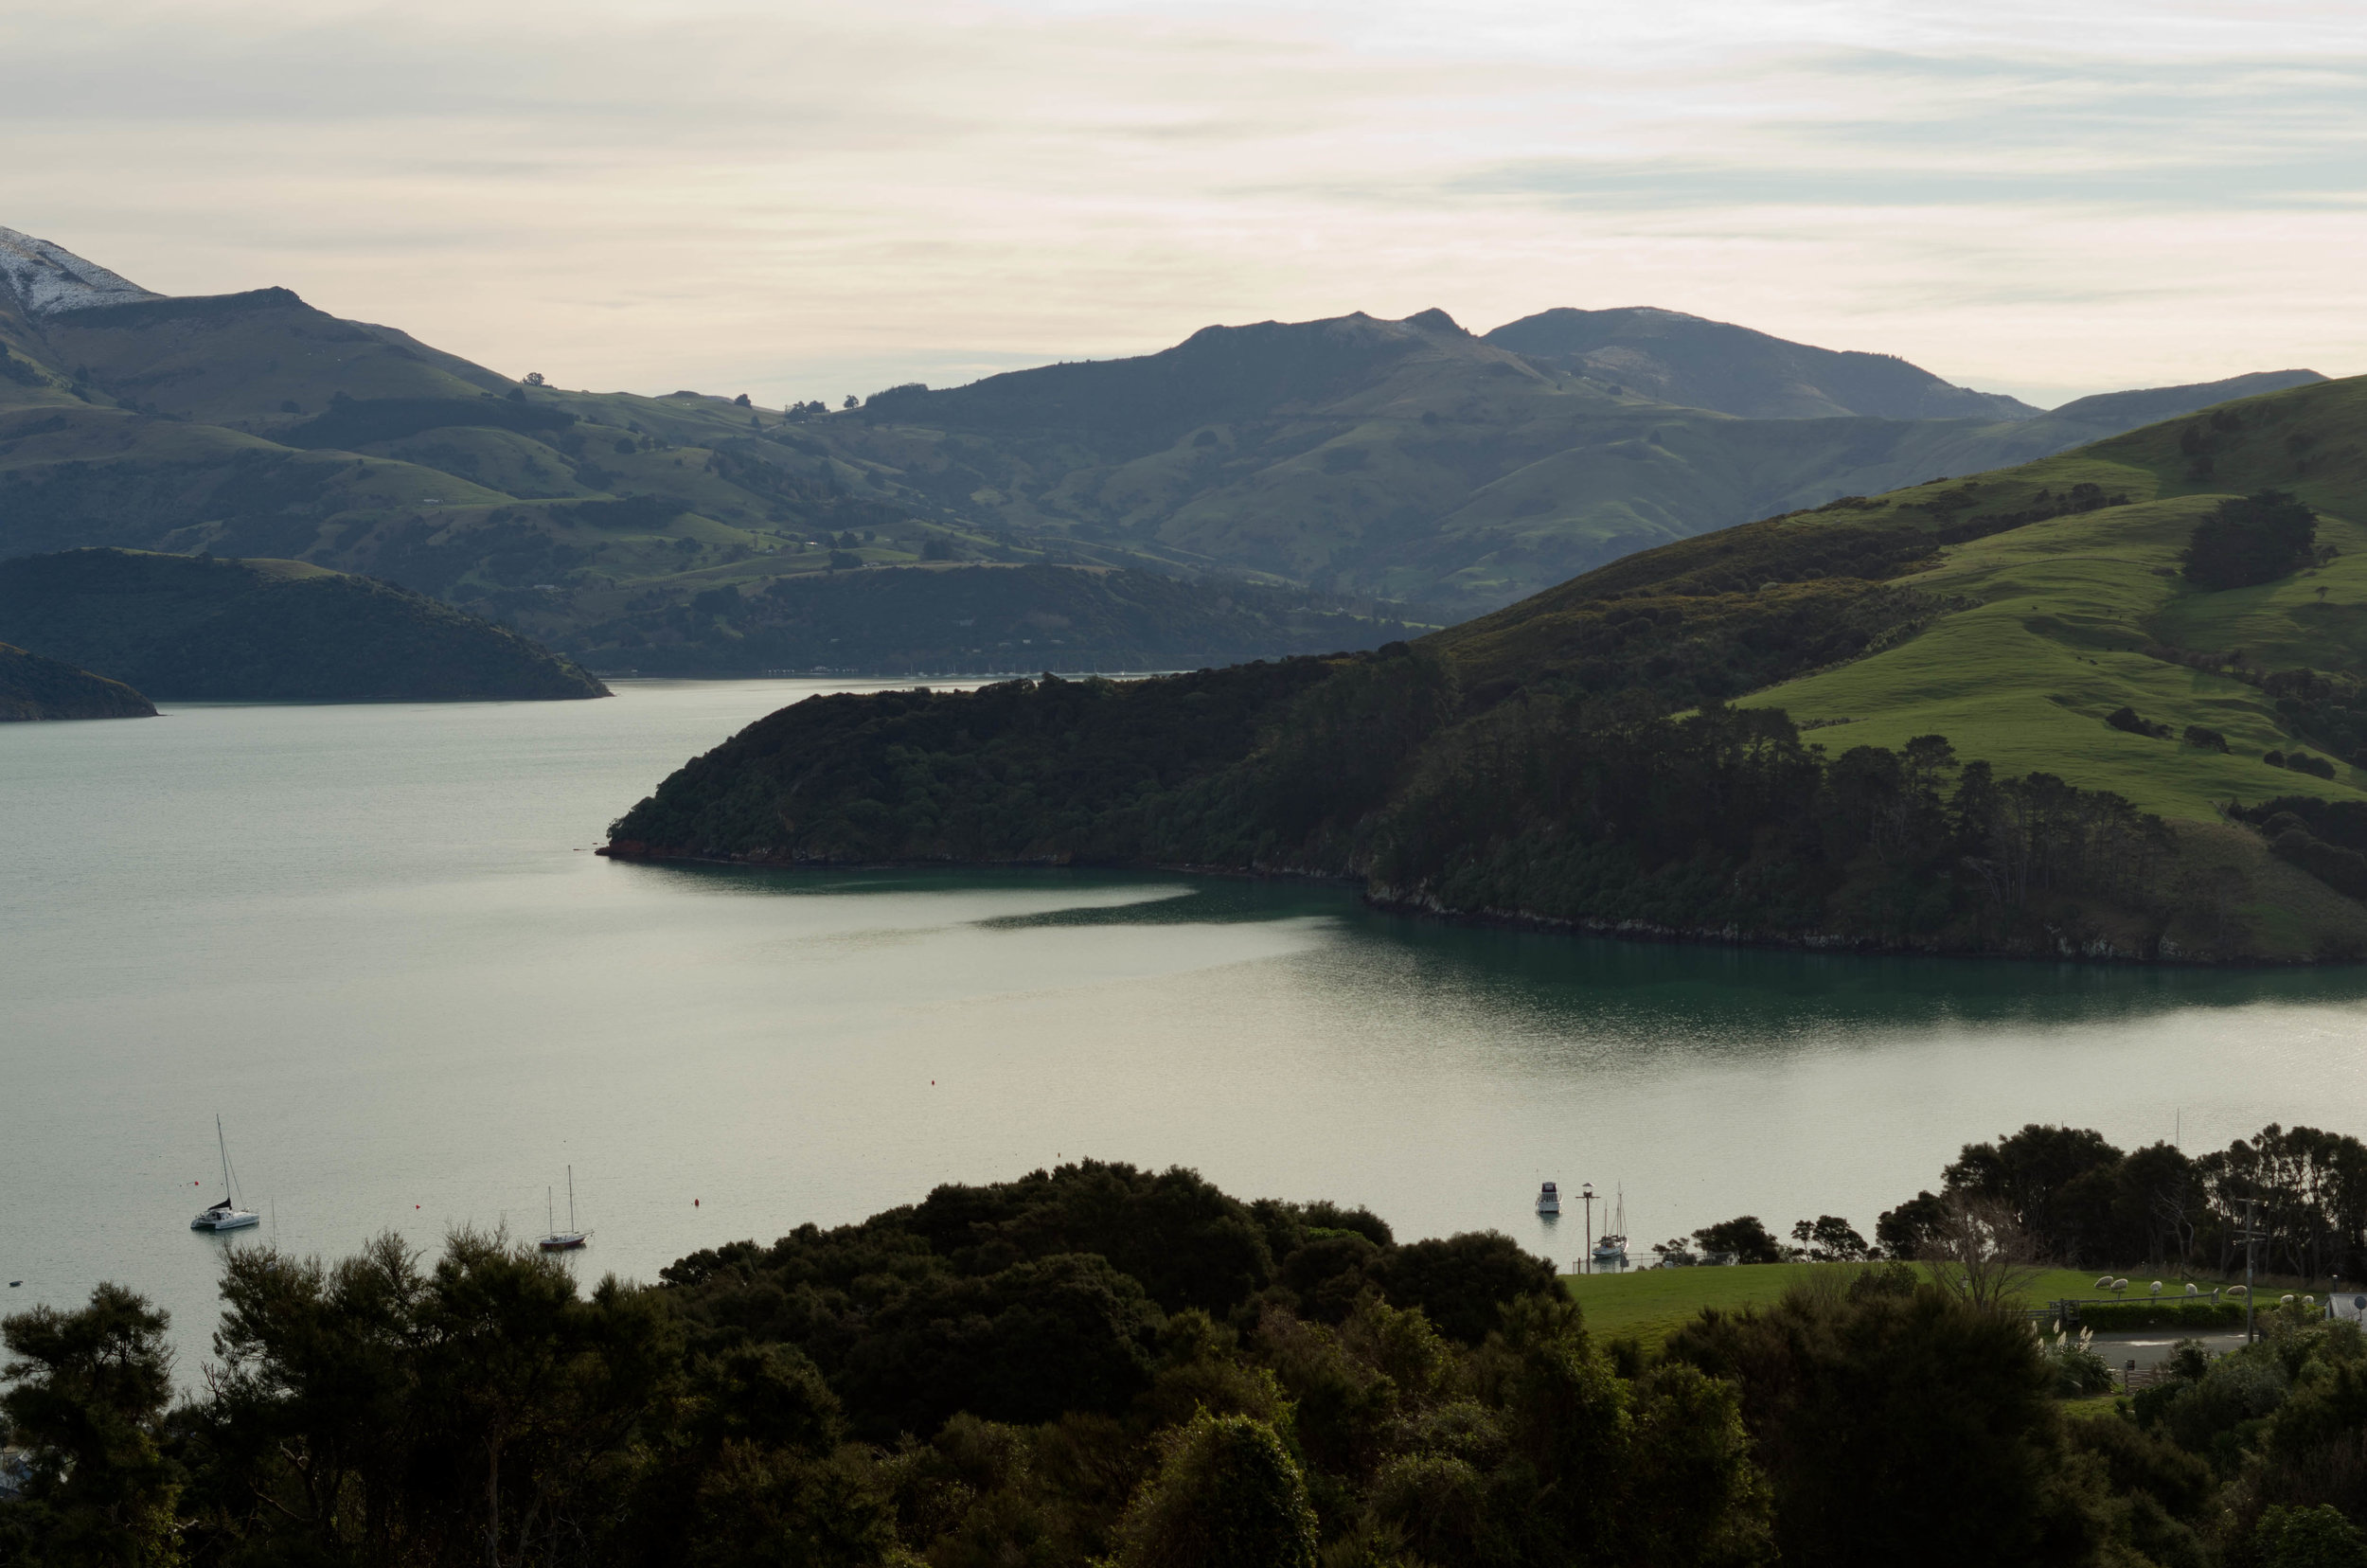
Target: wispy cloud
802,199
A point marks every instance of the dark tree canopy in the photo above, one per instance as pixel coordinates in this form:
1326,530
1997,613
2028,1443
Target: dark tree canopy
1744,1236
2245,543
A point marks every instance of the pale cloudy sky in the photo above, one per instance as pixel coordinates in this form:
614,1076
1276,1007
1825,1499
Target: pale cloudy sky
804,200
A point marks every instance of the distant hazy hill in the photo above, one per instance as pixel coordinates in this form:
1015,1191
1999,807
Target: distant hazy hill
1406,462
1413,460
980,619
1986,715
198,629
34,688
1674,358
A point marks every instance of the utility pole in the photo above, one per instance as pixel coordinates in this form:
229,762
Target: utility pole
1586,1264
2252,1233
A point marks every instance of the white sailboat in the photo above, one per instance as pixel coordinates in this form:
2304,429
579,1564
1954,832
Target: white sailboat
225,1215
570,1238
1611,1248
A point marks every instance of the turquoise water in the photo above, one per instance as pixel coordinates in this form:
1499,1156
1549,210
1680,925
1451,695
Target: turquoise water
374,939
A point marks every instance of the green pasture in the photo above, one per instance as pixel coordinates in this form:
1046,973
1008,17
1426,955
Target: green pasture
2052,640
1649,1303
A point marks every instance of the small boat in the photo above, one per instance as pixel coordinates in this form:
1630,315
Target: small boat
570,1238
1549,1200
226,1215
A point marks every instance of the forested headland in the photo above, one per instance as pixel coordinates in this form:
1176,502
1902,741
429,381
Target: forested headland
1862,726
1098,1364
32,688
197,627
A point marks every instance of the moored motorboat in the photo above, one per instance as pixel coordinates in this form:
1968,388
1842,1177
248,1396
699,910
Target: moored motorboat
1549,1200
226,1215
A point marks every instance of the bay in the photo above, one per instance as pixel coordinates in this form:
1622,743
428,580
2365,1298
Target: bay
375,940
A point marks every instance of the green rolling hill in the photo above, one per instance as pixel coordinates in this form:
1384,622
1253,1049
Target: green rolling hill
1379,472
2025,712
2069,622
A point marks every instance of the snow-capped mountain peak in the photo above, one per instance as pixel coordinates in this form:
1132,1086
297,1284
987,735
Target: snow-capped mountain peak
48,280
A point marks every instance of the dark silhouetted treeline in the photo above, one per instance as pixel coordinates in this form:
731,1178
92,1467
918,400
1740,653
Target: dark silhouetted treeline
1102,1365
1557,808
2082,1201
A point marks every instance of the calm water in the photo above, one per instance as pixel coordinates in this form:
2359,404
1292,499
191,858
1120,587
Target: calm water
374,938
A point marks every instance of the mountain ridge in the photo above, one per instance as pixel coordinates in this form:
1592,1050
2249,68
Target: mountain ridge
47,280
1757,375
1410,468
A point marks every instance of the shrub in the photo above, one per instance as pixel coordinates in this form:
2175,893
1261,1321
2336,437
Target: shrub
2078,1370
2111,1315
2317,767
2345,870
1228,1496
1975,1466
2127,719
2205,739
1460,1282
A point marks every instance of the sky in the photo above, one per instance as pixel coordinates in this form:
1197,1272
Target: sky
796,200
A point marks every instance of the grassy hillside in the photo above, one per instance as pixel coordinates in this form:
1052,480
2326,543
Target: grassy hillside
2064,623
204,629
1986,715
32,688
1650,1304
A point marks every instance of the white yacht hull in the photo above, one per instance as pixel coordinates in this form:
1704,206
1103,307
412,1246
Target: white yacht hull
234,1220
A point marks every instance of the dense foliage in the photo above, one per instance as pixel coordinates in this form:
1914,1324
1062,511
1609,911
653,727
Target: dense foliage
2078,1199
2256,539
1554,807
1092,1363
200,629
1101,1364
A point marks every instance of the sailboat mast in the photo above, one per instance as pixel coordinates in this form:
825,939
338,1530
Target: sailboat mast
224,1144
571,1198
